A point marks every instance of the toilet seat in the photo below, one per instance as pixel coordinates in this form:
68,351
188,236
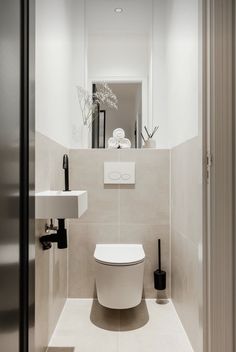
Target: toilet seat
119,254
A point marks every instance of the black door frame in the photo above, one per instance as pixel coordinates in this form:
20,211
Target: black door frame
27,123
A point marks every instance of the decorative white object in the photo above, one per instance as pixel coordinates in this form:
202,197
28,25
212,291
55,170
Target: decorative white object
125,143
150,143
119,133
118,140
113,143
60,204
119,173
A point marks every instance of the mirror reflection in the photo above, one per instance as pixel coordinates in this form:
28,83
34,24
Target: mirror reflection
108,120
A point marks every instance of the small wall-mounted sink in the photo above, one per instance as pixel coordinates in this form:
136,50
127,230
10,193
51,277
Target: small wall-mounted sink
60,204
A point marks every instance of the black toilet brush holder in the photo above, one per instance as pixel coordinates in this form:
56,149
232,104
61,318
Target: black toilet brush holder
159,275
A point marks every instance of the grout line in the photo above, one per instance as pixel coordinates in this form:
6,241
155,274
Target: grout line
170,222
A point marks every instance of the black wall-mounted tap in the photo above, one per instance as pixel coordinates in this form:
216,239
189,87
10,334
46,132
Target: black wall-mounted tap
60,237
65,166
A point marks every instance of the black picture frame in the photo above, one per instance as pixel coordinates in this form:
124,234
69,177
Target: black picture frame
98,125
102,129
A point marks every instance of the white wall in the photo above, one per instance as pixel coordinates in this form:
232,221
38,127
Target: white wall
175,70
59,67
159,73
61,63
173,73
115,55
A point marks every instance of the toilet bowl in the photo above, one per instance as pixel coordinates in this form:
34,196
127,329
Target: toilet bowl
119,274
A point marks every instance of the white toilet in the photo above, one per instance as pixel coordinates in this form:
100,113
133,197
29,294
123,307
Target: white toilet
119,274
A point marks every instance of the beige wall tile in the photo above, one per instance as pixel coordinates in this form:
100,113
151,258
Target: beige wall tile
148,235
42,162
125,214
82,243
58,284
186,238
41,293
86,172
51,265
116,214
186,190
51,288
148,201
48,164
187,288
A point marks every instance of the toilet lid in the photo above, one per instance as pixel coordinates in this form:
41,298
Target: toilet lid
119,254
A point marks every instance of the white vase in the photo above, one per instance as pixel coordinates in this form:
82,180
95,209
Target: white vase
85,136
81,136
150,143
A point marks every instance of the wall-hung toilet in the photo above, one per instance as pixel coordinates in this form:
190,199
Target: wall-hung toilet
119,274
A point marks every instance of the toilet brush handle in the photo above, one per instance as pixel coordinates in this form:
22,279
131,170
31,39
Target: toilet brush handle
159,254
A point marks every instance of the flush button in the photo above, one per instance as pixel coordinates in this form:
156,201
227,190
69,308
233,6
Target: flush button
125,177
114,176
119,173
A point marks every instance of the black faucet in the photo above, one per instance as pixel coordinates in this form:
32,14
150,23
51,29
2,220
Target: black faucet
60,237
65,166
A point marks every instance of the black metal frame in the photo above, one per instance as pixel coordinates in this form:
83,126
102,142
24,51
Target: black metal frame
96,125
104,129
95,122
27,10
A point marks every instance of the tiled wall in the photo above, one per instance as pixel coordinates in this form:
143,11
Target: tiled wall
127,214
186,238
51,266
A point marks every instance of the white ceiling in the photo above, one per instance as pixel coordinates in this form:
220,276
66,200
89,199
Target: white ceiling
136,17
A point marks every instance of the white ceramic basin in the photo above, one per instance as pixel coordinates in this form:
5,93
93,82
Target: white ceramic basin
61,205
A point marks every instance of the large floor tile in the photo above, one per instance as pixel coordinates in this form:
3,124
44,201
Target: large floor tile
61,349
150,327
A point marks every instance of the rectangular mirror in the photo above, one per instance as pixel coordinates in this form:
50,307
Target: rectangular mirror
127,115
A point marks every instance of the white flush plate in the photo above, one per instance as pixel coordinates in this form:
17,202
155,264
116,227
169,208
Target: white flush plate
119,173
60,205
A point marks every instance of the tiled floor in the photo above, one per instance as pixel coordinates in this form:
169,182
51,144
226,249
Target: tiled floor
60,349
151,327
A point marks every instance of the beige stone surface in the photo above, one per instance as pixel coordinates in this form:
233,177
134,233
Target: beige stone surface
60,349
51,265
119,214
83,239
87,326
186,238
124,214
86,172
48,164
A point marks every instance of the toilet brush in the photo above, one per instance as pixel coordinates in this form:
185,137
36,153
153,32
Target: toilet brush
159,275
